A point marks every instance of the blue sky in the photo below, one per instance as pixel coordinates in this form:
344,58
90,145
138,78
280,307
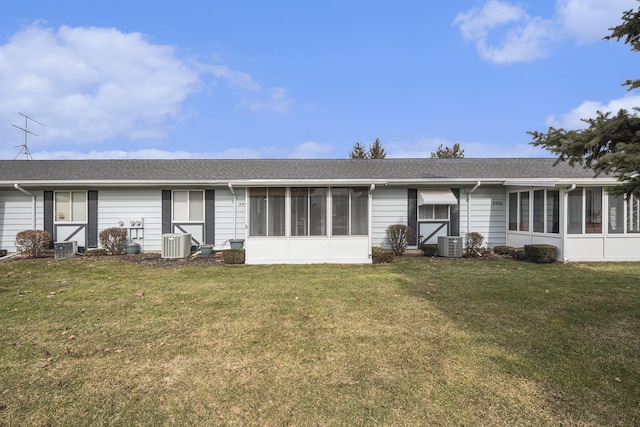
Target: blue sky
292,79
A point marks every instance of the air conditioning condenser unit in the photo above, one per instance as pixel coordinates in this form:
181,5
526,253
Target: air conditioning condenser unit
450,246
175,245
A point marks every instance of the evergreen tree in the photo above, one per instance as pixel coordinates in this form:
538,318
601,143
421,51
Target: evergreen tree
611,143
454,152
358,152
376,151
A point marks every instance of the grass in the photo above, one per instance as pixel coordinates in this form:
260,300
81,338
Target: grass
419,342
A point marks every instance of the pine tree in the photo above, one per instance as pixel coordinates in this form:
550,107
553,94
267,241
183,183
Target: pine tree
376,151
454,152
358,152
611,143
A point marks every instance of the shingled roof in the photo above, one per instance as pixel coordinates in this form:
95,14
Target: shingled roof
218,170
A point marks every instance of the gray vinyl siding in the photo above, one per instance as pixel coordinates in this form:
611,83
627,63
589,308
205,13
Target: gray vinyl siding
131,204
488,214
16,216
389,206
224,216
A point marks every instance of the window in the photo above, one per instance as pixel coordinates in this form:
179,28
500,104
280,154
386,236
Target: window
350,211
593,211
616,214
513,211
553,211
545,215
538,211
633,214
519,211
308,211
433,212
188,206
524,211
585,211
267,211
71,206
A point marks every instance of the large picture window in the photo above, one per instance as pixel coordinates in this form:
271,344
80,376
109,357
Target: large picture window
267,211
545,214
71,206
350,211
188,205
308,211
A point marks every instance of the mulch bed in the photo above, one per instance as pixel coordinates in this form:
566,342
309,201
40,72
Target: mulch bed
151,259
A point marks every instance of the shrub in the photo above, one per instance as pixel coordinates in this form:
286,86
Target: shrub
233,256
113,240
95,252
518,254
429,250
33,243
399,236
381,256
503,250
541,254
473,244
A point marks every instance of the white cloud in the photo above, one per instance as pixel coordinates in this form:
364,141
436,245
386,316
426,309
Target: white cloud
525,38
310,150
505,33
277,101
589,110
589,20
472,149
89,85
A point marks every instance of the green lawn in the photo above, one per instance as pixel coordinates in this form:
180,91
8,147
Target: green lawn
95,341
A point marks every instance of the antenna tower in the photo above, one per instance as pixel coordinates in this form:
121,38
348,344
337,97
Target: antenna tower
24,149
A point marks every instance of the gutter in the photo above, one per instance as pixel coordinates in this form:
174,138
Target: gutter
478,183
33,203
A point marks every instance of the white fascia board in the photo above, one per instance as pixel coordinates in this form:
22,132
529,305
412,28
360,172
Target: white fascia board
306,182
114,183
436,182
565,182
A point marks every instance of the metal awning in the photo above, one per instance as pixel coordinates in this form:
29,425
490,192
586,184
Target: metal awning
436,196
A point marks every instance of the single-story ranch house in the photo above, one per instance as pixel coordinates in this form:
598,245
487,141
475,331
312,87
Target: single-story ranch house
320,211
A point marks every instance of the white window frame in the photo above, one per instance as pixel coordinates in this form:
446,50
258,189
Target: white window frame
73,219
188,220
432,209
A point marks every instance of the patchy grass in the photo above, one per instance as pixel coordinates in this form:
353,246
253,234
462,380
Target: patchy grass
423,341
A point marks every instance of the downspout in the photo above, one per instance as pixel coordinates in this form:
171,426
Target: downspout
33,203
370,219
235,204
478,183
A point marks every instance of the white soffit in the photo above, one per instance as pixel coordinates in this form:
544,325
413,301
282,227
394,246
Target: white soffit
436,196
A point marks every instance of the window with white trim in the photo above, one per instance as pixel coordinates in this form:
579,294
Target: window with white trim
633,214
544,206
188,205
308,211
585,211
70,206
267,211
350,211
433,212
